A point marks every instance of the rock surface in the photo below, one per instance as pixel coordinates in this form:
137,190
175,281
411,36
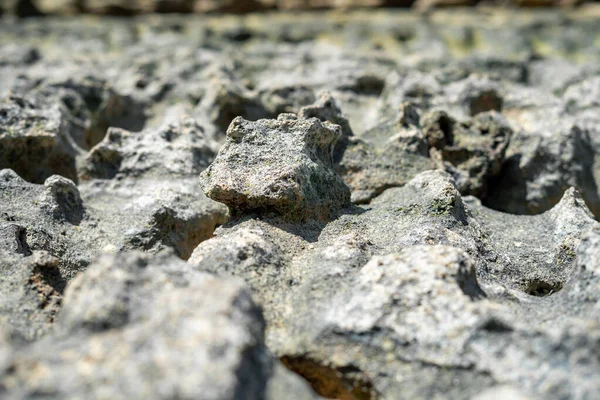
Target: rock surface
135,326
398,205
32,289
283,166
113,7
348,302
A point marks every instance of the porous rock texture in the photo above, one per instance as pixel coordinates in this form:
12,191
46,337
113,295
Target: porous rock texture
363,205
283,166
134,326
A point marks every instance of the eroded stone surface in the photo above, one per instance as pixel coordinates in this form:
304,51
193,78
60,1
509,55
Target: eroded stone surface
146,328
283,166
147,184
31,289
35,139
344,309
415,289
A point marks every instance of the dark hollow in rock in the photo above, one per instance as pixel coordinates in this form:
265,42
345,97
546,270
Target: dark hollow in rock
539,168
472,151
541,289
35,139
329,382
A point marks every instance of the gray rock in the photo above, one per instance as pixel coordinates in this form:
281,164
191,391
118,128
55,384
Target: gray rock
179,147
388,155
31,289
472,151
282,166
35,139
424,292
145,186
13,238
50,125
542,162
62,200
151,214
152,328
279,99
49,217
100,106
327,109
226,99
541,266
473,95
339,313
73,226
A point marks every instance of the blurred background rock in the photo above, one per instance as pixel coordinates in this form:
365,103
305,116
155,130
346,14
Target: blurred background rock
26,8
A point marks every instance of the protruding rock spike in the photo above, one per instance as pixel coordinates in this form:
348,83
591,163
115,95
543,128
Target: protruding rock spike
327,109
571,199
63,200
8,175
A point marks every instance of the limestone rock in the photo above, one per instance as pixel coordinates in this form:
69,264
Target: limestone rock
434,125
472,151
53,221
147,182
542,162
180,147
342,308
35,138
327,109
388,155
282,166
31,289
152,328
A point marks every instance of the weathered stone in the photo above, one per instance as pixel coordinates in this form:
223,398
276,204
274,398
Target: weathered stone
387,155
62,200
151,214
35,139
147,183
283,166
152,328
423,293
226,99
13,238
541,164
176,148
472,151
31,289
100,107
53,220
344,346
558,233
326,109
280,99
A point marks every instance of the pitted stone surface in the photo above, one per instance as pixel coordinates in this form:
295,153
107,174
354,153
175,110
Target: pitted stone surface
152,328
283,166
410,200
